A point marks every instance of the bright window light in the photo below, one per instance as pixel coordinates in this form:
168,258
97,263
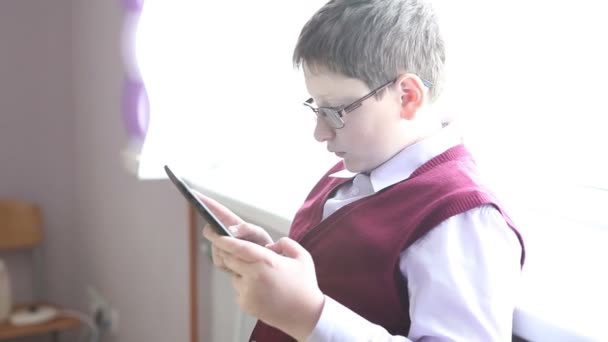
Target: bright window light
221,84
525,78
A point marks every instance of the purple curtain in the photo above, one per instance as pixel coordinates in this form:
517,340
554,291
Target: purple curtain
135,103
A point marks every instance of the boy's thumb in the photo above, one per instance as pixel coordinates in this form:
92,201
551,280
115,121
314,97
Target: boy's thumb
287,247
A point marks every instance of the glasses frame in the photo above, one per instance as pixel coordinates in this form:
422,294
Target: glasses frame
334,115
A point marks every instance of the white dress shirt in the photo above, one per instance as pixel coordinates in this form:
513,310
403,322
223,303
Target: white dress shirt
462,283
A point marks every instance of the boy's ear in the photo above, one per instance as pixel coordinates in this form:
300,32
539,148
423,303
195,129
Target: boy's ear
413,93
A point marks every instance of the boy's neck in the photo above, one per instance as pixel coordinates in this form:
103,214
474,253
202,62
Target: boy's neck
421,128
426,123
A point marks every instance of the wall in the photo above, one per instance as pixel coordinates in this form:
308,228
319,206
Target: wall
36,133
132,234
61,140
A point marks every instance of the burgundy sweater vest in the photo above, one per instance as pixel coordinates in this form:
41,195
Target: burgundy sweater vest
356,250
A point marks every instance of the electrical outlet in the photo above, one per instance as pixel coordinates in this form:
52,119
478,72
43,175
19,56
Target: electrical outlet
103,315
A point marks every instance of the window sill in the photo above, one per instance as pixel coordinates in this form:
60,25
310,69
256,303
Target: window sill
563,288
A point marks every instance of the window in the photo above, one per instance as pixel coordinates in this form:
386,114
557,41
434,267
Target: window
529,80
525,79
221,84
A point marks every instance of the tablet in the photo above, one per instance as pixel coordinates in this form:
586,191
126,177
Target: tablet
202,209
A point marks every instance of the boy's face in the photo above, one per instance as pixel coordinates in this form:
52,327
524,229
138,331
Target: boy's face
372,133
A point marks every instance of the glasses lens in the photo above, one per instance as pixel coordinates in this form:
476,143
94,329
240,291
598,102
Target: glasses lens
332,117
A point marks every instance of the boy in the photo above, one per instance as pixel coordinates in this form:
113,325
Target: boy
407,243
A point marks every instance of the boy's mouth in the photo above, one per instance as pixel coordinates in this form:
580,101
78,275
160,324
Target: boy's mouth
340,154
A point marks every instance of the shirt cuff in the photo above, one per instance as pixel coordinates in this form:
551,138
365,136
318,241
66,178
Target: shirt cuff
339,323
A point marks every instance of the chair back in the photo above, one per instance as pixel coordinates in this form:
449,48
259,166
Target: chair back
20,225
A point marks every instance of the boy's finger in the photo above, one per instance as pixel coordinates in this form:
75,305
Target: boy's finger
225,215
235,265
250,232
245,250
209,233
288,247
238,283
218,258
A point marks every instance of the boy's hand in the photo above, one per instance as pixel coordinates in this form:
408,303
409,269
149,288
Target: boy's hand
276,284
225,215
239,228
244,231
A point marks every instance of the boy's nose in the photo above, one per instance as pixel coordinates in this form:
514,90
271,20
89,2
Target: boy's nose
323,132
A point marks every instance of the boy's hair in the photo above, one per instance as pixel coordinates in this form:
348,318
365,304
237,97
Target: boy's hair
375,41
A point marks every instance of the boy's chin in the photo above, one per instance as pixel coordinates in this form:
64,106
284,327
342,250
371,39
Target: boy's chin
354,166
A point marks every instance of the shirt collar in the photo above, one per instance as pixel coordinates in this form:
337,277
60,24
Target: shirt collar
403,164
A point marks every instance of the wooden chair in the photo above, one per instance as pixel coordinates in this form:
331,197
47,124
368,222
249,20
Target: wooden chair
21,229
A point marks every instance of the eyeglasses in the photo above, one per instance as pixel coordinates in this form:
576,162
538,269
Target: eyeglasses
334,115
